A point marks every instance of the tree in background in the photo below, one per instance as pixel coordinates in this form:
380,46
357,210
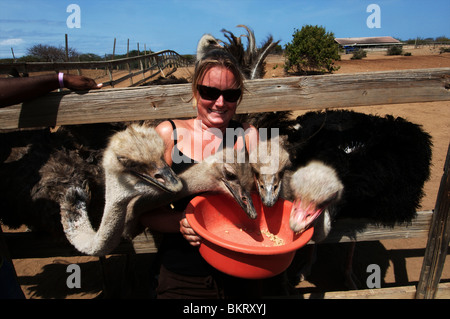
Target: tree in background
312,50
49,53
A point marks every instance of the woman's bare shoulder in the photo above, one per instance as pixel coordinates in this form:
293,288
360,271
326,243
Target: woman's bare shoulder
164,129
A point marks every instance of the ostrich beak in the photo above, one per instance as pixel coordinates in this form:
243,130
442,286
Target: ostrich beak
268,189
243,198
303,214
165,179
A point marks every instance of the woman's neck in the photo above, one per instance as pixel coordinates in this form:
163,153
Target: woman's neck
208,129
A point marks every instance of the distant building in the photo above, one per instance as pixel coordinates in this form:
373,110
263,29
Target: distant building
352,44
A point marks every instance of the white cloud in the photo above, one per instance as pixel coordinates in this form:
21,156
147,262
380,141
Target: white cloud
11,42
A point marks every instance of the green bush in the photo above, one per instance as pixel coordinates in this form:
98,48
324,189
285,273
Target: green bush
359,54
395,50
312,50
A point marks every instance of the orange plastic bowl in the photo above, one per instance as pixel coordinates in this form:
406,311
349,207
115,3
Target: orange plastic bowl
239,246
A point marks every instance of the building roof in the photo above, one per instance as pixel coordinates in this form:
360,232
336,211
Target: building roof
367,41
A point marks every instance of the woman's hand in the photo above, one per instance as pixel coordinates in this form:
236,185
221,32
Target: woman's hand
188,233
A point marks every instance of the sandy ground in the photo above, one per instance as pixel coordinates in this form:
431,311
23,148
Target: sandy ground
400,260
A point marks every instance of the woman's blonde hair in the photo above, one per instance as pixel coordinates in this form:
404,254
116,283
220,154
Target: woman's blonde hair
217,57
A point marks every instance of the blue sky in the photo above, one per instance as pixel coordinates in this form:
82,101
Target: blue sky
178,24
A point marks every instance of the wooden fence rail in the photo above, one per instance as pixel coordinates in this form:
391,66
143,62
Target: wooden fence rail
293,93
31,245
157,62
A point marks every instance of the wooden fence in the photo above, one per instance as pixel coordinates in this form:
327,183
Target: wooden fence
293,93
153,64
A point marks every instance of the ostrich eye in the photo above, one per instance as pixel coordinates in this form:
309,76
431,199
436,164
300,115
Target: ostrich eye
229,172
230,176
127,163
122,160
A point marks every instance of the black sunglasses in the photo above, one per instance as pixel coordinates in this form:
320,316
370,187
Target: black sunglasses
211,93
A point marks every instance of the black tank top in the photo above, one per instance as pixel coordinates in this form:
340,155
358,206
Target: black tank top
176,254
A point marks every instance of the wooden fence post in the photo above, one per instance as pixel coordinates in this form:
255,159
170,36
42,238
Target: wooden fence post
110,71
67,51
14,57
128,63
438,239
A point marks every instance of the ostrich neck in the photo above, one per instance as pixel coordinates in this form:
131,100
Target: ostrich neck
286,191
199,178
117,199
108,236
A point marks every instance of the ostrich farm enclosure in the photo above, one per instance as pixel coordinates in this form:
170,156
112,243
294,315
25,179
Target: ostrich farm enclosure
400,260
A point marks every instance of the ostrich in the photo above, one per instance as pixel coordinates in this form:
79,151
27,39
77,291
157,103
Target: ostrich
131,174
269,161
382,162
272,155
353,165
312,188
251,60
147,172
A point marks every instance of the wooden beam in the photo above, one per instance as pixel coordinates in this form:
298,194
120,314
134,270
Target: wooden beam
405,292
24,245
173,101
32,245
345,230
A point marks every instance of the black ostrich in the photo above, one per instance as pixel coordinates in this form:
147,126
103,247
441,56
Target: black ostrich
382,163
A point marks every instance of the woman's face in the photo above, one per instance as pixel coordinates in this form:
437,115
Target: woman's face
216,113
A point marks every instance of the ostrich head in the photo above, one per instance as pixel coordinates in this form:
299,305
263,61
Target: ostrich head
269,161
314,187
206,43
135,157
230,172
